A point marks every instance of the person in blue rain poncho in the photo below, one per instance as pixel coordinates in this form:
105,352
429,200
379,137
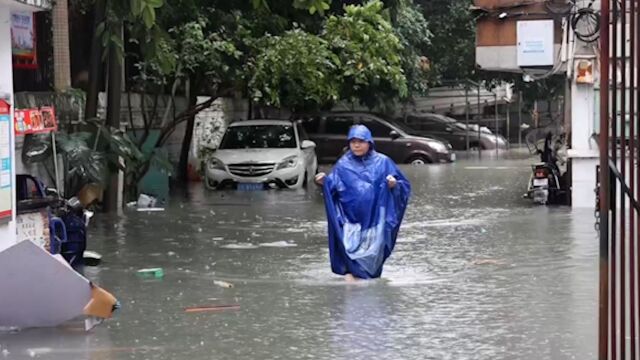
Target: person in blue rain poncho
365,198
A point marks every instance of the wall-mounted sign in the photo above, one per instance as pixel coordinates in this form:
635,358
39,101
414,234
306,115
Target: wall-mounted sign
6,203
35,121
535,43
23,40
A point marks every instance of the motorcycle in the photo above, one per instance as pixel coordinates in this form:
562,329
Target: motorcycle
68,220
546,182
76,220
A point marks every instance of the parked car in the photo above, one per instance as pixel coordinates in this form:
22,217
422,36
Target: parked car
260,154
329,131
453,131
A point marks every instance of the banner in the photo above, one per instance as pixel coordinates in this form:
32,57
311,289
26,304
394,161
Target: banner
23,40
35,121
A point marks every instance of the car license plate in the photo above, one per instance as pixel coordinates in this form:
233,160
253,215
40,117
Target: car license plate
540,182
250,186
453,156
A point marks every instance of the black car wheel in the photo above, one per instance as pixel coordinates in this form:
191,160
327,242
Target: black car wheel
418,160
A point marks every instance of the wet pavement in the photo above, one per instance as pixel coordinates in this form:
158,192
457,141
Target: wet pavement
478,273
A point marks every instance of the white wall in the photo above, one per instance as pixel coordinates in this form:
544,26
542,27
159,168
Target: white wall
584,182
7,231
584,152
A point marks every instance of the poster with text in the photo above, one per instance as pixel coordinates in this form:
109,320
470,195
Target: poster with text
23,39
5,161
35,121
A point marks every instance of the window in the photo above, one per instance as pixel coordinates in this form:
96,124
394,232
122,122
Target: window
427,124
338,125
378,129
259,137
311,125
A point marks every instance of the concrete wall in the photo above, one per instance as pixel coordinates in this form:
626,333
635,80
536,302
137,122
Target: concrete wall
583,155
210,126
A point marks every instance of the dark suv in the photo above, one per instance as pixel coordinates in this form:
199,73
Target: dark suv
329,132
453,131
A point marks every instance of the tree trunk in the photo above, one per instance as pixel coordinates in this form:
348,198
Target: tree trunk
95,64
114,94
183,166
61,57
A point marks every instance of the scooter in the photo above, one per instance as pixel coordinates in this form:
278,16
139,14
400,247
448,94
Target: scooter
545,183
76,220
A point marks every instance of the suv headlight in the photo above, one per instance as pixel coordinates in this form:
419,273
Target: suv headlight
216,164
438,146
288,162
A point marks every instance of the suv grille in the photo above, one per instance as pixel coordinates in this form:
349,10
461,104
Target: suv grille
249,170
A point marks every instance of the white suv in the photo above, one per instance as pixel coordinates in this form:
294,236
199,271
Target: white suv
258,154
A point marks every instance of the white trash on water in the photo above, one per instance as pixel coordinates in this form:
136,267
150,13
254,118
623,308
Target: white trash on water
223,284
239,246
279,244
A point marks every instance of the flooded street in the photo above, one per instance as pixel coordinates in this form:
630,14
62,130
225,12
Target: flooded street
477,273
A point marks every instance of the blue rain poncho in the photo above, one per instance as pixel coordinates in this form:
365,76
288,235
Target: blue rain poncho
363,213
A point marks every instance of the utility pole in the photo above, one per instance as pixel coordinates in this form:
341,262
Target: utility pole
466,111
496,119
479,124
519,119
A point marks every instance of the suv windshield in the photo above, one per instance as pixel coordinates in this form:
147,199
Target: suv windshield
259,137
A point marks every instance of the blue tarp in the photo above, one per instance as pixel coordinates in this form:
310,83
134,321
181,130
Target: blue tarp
363,213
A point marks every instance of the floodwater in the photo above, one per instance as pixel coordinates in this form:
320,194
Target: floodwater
478,273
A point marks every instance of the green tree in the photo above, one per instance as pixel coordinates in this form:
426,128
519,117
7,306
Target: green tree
369,51
452,48
357,57
413,31
297,70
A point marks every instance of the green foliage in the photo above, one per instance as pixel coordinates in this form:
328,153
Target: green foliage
125,154
357,57
413,31
452,49
83,165
138,17
297,70
201,53
314,6
369,51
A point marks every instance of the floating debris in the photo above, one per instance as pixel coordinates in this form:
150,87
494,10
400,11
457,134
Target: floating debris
157,273
487,262
223,284
211,308
279,244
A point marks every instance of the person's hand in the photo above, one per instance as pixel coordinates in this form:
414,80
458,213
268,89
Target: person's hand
391,181
320,178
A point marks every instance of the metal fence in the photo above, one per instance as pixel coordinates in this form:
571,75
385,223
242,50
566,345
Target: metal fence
618,178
